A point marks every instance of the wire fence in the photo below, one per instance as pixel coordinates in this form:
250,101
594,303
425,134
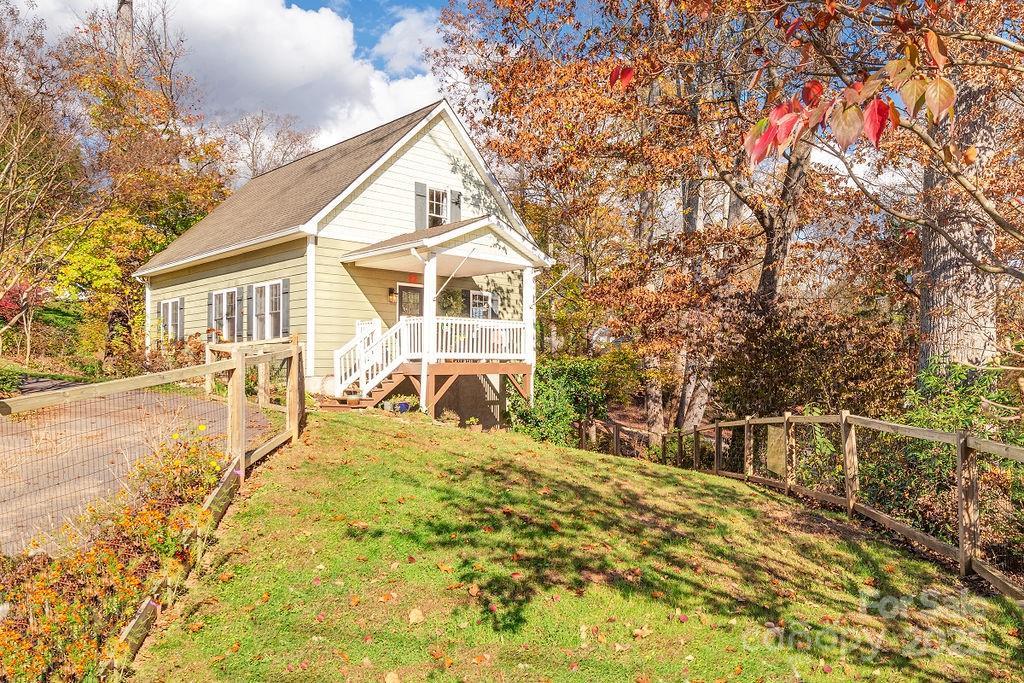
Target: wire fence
64,451
959,496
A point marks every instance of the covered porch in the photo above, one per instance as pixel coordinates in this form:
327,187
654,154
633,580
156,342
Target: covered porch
443,332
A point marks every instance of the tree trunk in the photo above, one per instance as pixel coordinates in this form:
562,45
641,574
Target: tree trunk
958,300
653,401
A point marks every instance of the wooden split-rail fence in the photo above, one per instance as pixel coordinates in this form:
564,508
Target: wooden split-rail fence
965,553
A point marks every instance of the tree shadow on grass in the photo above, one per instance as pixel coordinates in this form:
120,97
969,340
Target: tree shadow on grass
526,528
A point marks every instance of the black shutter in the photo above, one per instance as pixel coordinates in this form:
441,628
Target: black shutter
495,305
286,309
209,317
455,211
465,303
248,314
421,206
181,318
239,306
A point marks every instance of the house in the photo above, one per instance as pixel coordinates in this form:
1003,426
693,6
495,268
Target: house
395,255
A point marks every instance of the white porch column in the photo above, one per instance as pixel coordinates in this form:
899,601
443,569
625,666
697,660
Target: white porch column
429,323
530,318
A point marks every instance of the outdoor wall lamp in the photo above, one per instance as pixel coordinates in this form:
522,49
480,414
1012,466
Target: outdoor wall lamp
392,295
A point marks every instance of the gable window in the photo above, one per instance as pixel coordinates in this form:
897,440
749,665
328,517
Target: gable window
225,314
267,310
479,304
172,319
437,207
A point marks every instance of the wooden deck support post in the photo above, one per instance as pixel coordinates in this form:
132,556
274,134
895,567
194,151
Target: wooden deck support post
236,413
850,473
968,505
718,446
296,390
748,448
789,436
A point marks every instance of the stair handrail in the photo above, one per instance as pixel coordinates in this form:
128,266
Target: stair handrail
349,359
382,357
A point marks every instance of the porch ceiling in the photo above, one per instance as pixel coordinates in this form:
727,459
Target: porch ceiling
447,264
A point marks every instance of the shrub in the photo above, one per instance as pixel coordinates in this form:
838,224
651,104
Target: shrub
10,381
566,390
66,611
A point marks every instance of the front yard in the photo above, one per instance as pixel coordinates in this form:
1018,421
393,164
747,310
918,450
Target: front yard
393,549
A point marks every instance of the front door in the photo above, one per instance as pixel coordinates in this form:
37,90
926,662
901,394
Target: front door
410,300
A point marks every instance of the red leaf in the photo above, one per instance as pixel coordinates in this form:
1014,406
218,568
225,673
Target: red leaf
936,48
764,144
626,77
794,26
876,116
753,135
614,77
812,92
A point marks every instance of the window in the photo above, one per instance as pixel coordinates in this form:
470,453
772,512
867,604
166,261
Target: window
437,207
170,322
267,310
225,314
479,304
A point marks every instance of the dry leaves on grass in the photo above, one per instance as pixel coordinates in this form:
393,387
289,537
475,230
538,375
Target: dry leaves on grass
416,616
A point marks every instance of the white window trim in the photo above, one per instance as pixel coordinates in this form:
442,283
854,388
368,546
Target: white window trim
398,303
217,323
447,202
490,301
267,325
168,332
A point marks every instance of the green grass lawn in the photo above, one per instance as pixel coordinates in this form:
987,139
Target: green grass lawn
390,548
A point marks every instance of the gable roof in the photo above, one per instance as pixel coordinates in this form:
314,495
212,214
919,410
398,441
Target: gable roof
280,202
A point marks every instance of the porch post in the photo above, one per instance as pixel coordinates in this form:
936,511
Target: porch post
530,318
429,327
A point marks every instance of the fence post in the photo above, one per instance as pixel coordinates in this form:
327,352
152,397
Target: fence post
789,436
616,439
748,448
296,392
583,434
664,451
967,507
208,380
679,447
696,447
263,382
849,432
236,412
718,446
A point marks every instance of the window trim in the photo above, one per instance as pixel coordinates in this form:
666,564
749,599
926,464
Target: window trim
446,204
267,319
233,291
398,303
487,309
168,329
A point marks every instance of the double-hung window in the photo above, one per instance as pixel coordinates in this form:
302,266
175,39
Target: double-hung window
170,323
437,207
266,303
479,304
225,314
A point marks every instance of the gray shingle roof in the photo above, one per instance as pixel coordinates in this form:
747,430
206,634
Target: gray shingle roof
287,196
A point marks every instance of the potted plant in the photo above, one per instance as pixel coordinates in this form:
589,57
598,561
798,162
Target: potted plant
473,424
405,403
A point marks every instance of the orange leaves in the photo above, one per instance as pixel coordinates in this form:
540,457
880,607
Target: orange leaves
936,48
847,124
912,94
939,98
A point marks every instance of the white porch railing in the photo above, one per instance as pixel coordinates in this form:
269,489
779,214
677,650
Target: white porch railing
372,356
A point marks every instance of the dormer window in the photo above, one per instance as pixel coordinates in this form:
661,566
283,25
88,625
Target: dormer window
437,207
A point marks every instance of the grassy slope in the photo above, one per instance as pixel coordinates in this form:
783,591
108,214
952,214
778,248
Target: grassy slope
579,564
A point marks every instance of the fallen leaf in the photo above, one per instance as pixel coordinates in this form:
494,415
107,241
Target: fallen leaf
474,590
416,616
387,597
445,568
225,577
392,677
353,600
620,647
642,632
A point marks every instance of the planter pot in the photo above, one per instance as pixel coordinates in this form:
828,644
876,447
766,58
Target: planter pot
353,401
403,407
387,406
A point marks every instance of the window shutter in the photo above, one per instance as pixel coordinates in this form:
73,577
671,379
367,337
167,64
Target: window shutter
495,305
455,211
181,319
248,314
209,317
239,327
421,206
466,311
286,309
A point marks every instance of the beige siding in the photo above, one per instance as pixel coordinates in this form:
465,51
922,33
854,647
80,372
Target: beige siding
287,260
385,205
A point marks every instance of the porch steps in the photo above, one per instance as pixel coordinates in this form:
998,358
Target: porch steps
353,400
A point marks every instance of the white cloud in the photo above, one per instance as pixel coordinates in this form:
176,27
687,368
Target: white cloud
247,55
403,46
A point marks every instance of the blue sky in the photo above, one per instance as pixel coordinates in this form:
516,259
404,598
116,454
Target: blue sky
340,66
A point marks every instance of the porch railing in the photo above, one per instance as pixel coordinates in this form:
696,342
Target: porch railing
372,355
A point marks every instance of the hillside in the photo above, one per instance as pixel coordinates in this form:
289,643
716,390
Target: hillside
387,548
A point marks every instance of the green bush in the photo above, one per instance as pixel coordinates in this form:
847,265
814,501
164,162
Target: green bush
10,381
565,390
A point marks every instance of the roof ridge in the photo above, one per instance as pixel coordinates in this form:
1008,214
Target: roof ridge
351,138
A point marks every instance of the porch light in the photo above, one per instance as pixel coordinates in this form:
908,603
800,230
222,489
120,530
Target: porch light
392,295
